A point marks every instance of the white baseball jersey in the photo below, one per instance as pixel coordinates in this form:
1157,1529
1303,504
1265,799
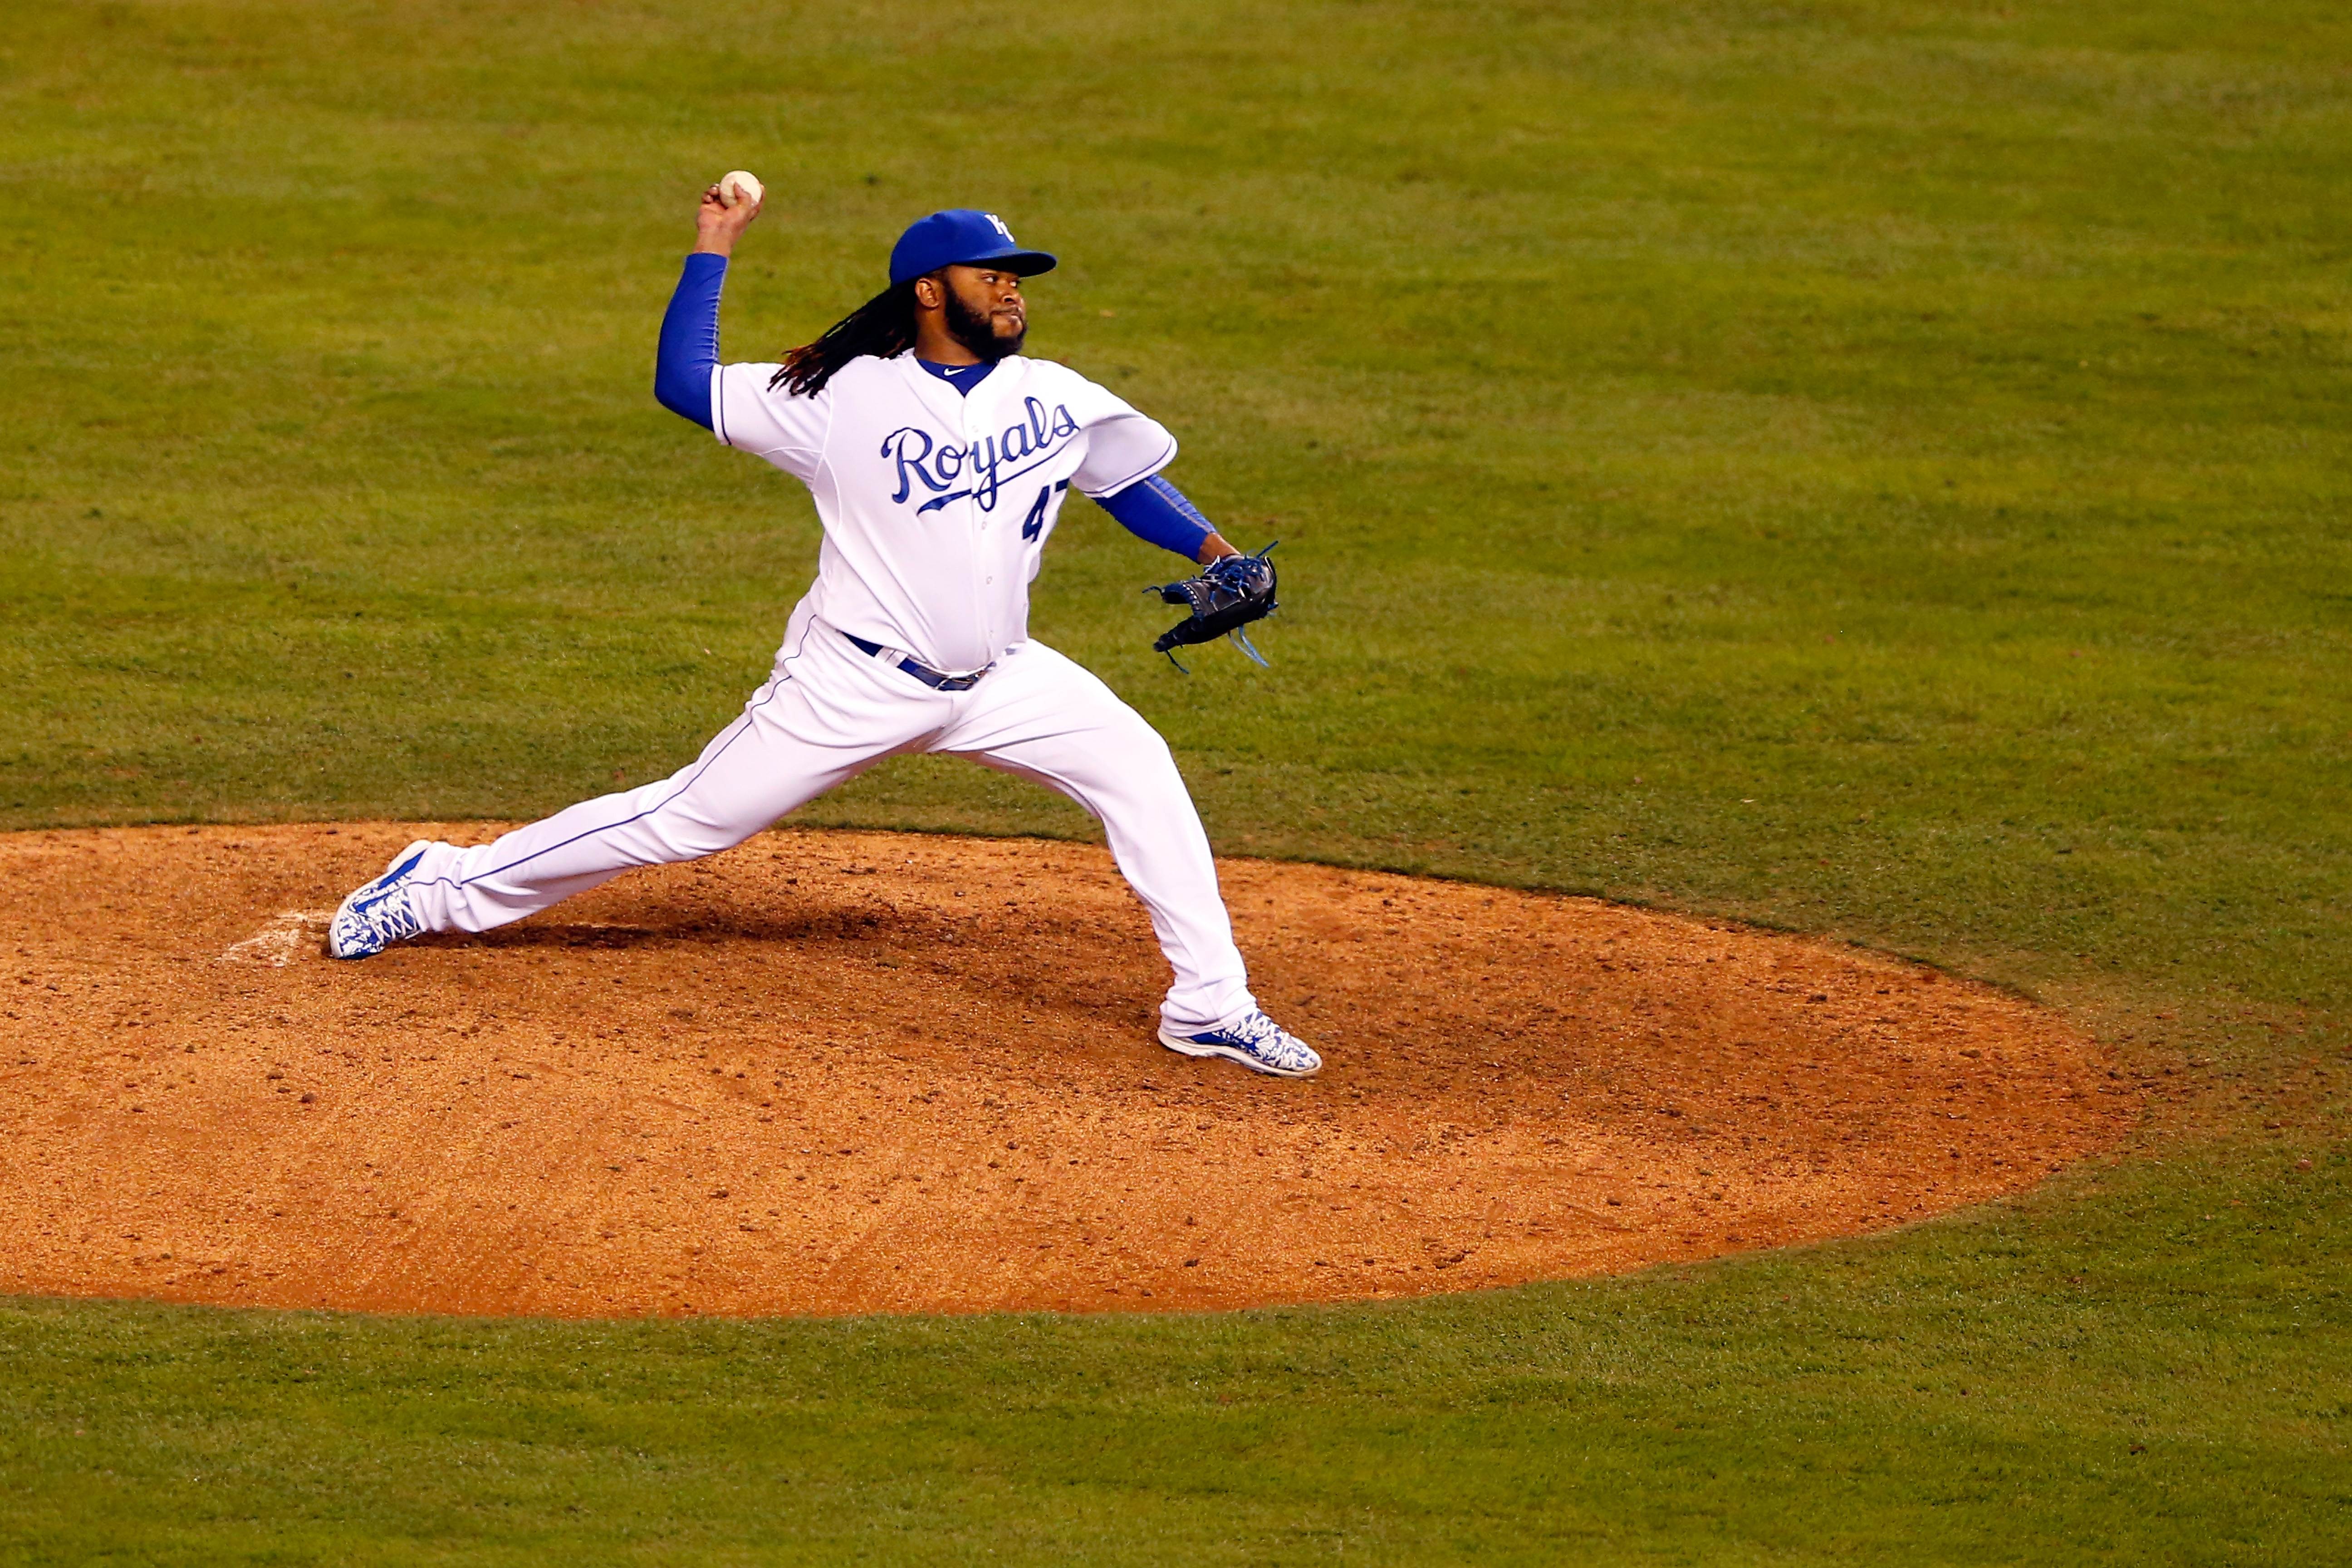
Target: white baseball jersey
937,504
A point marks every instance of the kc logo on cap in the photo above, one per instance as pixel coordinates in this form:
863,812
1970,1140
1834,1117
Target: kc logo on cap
961,237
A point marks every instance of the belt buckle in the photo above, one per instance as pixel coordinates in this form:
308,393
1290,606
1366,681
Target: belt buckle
898,659
964,682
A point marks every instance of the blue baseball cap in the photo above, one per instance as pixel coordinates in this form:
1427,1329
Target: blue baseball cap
961,237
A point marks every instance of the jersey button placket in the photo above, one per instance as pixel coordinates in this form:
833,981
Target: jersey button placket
978,522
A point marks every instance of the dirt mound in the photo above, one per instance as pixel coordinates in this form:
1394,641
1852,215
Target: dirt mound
836,1072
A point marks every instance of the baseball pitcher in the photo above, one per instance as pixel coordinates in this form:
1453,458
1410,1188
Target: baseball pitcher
938,457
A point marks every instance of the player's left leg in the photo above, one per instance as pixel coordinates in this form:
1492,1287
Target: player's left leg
1045,717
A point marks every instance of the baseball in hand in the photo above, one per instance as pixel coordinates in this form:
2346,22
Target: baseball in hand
737,187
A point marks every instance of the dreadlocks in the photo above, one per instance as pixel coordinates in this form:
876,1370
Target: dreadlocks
883,326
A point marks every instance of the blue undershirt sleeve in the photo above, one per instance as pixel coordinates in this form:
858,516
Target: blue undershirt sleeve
1157,512
689,340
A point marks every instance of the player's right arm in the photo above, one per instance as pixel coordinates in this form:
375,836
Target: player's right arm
733,402
689,353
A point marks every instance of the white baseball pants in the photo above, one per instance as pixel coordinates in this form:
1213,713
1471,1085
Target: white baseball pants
829,712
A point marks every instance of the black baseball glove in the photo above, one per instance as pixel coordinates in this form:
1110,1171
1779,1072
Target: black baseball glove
1230,593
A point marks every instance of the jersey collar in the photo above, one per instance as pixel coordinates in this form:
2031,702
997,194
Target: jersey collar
954,408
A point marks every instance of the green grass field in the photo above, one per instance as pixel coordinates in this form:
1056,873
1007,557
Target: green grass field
1881,468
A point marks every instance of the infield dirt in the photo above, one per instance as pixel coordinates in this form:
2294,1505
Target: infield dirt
844,1072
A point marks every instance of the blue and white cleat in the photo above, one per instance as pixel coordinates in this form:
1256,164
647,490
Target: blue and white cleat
378,913
1258,1042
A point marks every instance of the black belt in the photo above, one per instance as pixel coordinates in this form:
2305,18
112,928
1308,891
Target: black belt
924,672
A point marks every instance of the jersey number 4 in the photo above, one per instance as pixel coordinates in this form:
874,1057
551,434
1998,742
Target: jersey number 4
1034,523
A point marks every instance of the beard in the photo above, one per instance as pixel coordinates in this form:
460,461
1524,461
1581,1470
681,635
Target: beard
978,332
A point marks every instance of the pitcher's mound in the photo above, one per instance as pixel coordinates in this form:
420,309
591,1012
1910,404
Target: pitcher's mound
834,1072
